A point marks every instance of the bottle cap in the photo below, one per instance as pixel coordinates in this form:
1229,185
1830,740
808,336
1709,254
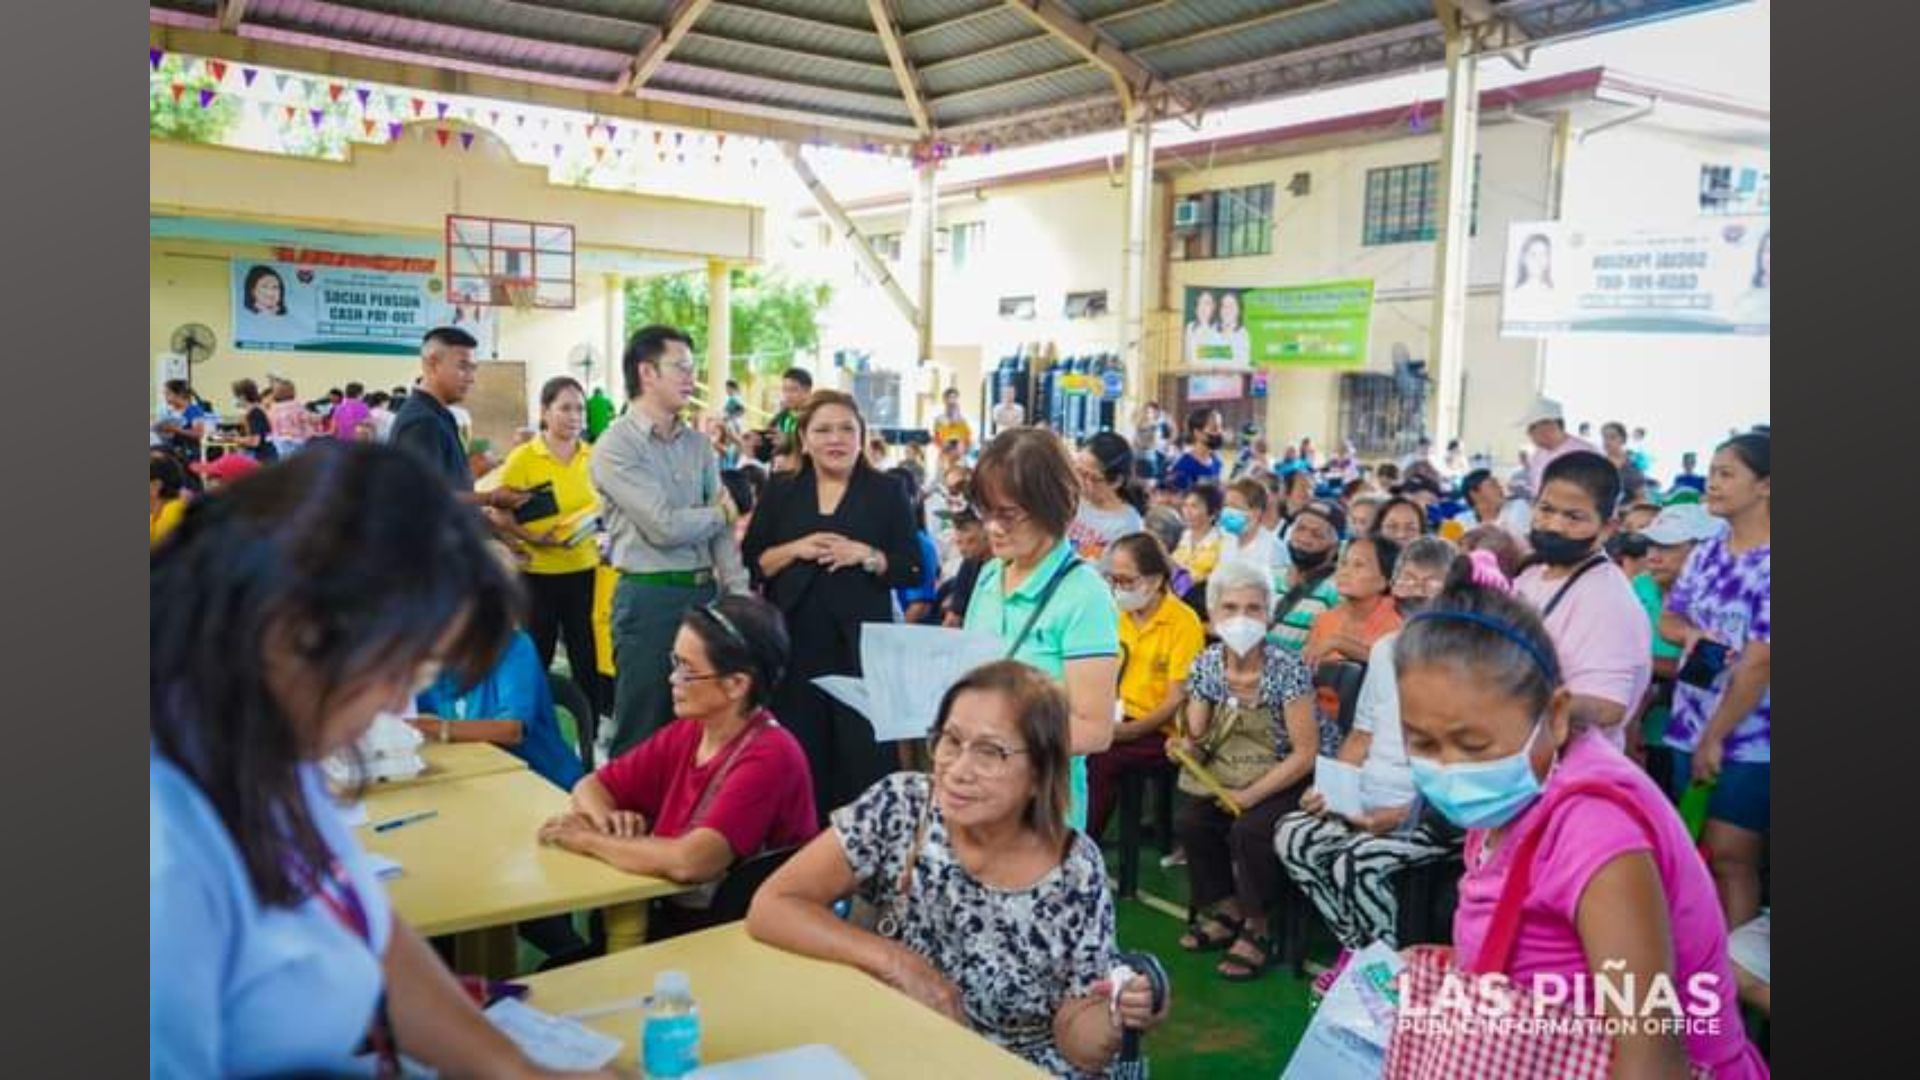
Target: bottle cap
671,984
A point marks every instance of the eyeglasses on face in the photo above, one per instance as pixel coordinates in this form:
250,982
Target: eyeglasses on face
990,759
682,673
1007,517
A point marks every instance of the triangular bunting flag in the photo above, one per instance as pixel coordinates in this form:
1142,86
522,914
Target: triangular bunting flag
247,75
219,70
656,138
206,98
468,113
280,83
266,109
442,134
393,104
494,118
334,90
520,120
318,115
288,109
418,105
395,130
154,56
365,95
367,126
178,89
612,132
309,87
556,149
567,128
466,140
679,137
442,106
599,152
722,144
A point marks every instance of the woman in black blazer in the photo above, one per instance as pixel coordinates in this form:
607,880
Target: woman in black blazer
829,544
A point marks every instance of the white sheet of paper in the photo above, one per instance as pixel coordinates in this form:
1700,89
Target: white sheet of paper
383,867
815,1061
907,669
353,814
1339,783
553,1042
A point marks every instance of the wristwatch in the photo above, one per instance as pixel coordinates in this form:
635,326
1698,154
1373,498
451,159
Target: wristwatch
871,564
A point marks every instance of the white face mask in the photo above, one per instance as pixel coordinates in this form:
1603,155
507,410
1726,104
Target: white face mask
1241,634
1131,600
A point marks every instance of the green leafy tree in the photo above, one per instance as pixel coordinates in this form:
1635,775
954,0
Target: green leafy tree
772,315
182,119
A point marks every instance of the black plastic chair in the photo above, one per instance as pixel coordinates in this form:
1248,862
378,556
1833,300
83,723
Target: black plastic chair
1132,792
1427,896
1343,678
730,900
568,695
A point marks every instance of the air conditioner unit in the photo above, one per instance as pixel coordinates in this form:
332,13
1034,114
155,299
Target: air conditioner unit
1186,214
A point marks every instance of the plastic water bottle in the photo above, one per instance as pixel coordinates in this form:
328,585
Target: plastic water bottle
670,1035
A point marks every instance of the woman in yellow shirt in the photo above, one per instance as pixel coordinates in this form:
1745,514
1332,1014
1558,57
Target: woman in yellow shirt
559,573
1199,549
1159,639
166,503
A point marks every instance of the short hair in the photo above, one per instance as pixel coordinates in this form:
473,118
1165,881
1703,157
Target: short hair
1472,481
647,345
179,388
354,389
1198,419
743,635
1208,493
1233,574
449,335
1755,451
733,384
560,384
377,399
1165,525
1253,491
1590,472
1039,708
1030,469
799,375
247,390
1380,518
1148,553
168,472
1385,552
1614,427
1429,553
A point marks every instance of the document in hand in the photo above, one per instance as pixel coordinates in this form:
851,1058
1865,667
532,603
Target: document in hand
907,670
1339,783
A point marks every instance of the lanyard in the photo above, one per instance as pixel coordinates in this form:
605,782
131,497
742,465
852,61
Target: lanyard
337,894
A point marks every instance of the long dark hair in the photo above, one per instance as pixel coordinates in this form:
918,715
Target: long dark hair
1115,455
351,559
254,277
821,399
743,635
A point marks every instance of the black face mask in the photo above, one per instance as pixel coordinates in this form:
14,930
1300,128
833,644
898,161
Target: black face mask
1307,561
1556,549
1215,442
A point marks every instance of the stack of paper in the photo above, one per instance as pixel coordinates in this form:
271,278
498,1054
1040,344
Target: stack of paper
553,1042
815,1061
908,669
390,750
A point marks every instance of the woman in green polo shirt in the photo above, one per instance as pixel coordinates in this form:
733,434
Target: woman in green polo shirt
1053,610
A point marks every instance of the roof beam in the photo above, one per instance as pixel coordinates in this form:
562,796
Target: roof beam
797,21
1489,32
962,20
1008,84
1133,81
654,53
887,24
830,208
1242,25
231,12
867,66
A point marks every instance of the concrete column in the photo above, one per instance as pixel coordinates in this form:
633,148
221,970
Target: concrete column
1460,137
1137,232
924,220
614,344
719,332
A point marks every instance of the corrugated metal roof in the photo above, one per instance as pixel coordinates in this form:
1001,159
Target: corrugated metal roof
793,66
984,66
743,23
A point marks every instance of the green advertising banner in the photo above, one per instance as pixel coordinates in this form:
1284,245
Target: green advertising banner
1320,325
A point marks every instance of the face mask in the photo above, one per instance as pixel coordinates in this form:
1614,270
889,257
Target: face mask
1215,442
1480,794
1307,560
1559,550
1131,600
1241,634
1233,520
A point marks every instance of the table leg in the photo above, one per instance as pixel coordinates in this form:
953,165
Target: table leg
492,952
626,926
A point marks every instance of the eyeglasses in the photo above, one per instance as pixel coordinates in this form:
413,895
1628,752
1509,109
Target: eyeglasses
680,673
1124,583
990,759
1418,583
1008,518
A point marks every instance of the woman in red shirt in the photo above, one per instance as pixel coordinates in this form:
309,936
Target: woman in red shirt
723,782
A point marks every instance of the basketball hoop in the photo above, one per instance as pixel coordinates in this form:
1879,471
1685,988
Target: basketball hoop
518,292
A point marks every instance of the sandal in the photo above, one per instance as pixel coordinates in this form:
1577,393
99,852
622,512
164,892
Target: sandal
1197,940
1236,968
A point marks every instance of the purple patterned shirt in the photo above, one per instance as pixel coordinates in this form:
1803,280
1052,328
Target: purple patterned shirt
1730,597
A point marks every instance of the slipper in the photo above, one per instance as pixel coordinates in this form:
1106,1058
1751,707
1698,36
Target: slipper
1236,968
1197,940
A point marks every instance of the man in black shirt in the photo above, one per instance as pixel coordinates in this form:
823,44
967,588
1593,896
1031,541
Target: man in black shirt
425,425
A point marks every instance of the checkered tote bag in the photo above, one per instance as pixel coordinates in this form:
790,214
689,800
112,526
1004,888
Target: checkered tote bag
1554,1043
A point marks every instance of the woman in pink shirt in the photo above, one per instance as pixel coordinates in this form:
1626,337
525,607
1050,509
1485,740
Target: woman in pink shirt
1616,883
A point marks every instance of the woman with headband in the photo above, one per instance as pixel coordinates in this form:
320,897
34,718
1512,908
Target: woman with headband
1579,873
720,784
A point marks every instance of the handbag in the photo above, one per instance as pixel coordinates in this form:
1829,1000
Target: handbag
1528,1040
700,897
1237,748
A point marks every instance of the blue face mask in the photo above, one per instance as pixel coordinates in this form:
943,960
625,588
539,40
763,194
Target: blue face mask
1481,794
1233,520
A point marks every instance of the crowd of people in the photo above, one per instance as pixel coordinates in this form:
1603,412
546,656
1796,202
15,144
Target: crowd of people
1558,661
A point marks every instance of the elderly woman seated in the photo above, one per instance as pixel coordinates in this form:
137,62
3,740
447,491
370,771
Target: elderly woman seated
722,783
992,911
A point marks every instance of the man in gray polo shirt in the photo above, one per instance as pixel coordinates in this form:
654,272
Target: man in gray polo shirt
671,524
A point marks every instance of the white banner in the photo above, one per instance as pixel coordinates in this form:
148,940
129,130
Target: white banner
1711,276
